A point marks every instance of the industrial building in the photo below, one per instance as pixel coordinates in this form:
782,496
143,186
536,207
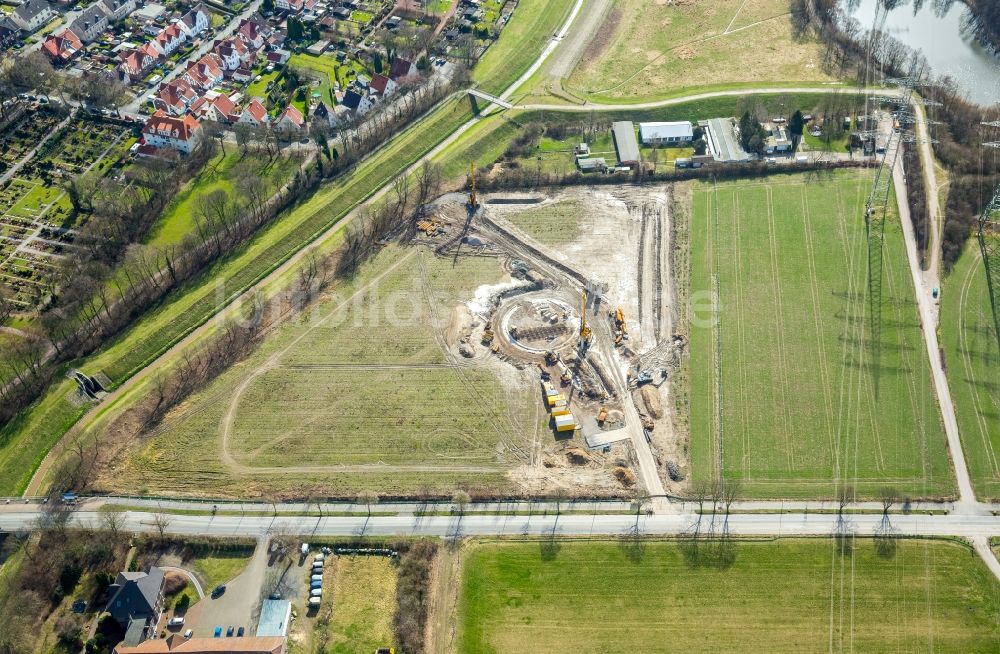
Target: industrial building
626,146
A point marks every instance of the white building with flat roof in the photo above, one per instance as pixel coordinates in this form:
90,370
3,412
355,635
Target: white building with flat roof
667,133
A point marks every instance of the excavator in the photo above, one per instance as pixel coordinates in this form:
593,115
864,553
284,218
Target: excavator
621,331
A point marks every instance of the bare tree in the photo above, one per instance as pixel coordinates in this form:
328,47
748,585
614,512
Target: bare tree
369,498
161,521
460,499
113,521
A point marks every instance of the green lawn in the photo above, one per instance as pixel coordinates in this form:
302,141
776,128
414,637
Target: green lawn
782,596
794,412
970,349
361,596
531,27
258,89
219,174
220,567
324,69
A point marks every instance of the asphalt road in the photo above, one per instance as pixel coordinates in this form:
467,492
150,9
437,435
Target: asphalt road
963,525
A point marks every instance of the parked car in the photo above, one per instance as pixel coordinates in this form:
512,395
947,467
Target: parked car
239,632
229,631
218,632
316,578
316,592
218,591
188,633
175,621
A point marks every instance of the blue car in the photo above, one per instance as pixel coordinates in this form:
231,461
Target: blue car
229,632
218,632
315,584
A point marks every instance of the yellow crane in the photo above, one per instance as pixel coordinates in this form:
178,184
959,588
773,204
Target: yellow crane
473,200
585,333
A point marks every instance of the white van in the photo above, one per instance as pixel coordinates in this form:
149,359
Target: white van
316,592
314,601
316,578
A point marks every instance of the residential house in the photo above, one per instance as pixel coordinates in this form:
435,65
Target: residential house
778,140
181,134
234,53
255,113
278,57
359,104
175,97
291,6
242,74
291,118
402,70
168,40
253,31
62,47
341,13
382,86
666,133
195,22
222,109
91,23
137,598
206,73
177,644
136,63
119,9
334,116
32,15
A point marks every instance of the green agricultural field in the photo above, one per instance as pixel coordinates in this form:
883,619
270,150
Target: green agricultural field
783,391
782,596
360,386
361,597
651,50
531,27
219,174
970,348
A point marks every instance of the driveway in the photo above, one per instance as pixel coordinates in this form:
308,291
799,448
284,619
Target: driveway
239,604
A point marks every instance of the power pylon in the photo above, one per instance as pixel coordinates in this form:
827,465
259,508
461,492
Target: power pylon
989,244
877,206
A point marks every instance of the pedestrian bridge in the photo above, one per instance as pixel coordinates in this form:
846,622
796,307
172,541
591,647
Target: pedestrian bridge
491,98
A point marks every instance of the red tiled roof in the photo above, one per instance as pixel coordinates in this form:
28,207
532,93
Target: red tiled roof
293,115
63,45
400,68
378,83
256,110
175,643
179,128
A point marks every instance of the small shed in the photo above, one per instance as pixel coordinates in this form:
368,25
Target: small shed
591,165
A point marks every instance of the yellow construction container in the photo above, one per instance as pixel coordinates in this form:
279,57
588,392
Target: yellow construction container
555,398
561,411
565,423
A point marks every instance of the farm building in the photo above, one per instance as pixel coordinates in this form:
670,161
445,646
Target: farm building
588,165
722,141
626,146
778,139
673,133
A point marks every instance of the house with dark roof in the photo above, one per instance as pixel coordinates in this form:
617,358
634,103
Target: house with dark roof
402,70
382,86
9,34
91,23
119,9
137,597
359,104
253,31
32,15
194,22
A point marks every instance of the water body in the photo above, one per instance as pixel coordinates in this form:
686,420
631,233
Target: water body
940,32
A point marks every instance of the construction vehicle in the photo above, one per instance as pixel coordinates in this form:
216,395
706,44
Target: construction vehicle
487,336
602,416
551,358
585,332
473,200
621,331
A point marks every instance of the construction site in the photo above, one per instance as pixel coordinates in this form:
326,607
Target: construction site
587,313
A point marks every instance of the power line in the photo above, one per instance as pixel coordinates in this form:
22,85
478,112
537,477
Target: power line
989,243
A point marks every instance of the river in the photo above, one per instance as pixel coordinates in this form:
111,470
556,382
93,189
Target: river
940,37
